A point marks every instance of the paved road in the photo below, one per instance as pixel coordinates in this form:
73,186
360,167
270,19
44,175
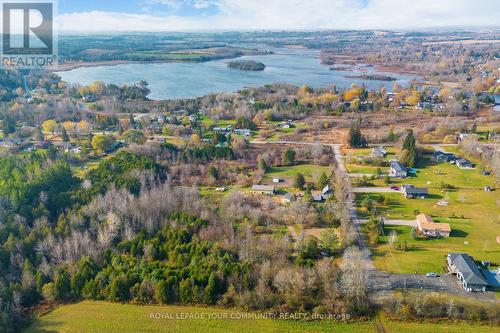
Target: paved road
405,223
373,190
439,147
382,283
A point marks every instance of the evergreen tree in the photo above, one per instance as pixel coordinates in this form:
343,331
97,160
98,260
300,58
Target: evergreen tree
212,171
409,142
64,135
39,135
210,292
409,152
300,181
8,125
355,137
62,285
289,157
262,165
323,181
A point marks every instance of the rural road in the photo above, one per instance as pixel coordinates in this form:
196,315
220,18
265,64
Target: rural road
406,223
373,190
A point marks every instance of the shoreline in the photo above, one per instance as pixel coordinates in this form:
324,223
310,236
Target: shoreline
66,67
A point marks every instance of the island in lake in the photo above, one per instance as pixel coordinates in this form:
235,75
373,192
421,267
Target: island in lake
247,65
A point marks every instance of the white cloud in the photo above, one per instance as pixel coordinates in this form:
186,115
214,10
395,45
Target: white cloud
297,15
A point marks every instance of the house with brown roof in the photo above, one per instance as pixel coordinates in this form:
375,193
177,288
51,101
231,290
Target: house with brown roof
429,228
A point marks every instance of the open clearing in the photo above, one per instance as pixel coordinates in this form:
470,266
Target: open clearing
97,317
311,172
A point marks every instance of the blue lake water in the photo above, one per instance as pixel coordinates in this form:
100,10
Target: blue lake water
186,80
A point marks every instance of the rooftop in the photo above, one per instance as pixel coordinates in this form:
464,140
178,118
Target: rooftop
264,188
397,166
468,268
426,222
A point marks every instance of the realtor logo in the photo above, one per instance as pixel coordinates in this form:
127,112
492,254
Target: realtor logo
28,34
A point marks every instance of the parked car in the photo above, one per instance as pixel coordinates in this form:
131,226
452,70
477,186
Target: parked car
395,188
432,275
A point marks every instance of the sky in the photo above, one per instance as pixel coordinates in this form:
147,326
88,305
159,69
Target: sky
209,15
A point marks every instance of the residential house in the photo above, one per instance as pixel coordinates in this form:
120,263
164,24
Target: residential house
429,228
115,146
462,136
12,142
42,144
462,163
379,152
440,157
286,124
318,197
397,170
264,189
322,196
89,98
412,192
244,132
492,278
285,198
465,268
223,130
327,191
180,113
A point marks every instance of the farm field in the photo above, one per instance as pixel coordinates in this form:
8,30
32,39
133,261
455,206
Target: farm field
90,317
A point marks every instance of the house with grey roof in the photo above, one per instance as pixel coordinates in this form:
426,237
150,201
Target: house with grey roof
467,272
440,157
379,152
326,193
462,163
264,189
412,192
397,170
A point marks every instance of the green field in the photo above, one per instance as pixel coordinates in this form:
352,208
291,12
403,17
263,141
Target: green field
98,317
310,172
362,169
431,175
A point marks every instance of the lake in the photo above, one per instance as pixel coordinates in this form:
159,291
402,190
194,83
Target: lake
187,80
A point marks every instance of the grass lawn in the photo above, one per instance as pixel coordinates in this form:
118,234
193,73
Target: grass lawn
475,233
207,121
431,175
310,172
90,317
363,169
